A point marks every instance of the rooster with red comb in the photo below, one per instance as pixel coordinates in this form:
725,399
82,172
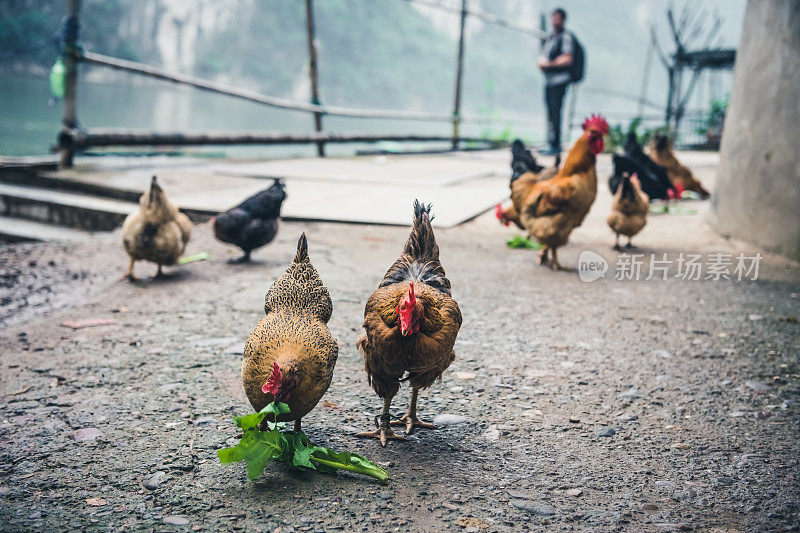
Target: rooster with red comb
410,326
550,209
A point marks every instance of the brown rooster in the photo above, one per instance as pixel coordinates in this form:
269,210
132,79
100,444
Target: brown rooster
660,150
550,209
411,323
291,347
157,232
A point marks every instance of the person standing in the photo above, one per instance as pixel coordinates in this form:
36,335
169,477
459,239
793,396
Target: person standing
555,61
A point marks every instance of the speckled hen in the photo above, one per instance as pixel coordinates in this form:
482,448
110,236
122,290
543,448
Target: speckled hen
293,333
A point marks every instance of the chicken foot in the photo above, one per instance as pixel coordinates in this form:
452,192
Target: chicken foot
410,420
554,261
384,431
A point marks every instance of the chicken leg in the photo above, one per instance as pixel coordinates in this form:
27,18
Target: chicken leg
158,272
617,247
410,420
243,259
384,431
543,256
297,426
129,274
554,262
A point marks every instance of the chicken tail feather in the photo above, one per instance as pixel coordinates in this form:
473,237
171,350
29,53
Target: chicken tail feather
302,249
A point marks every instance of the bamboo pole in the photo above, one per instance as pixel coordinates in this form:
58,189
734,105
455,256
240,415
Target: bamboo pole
282,103
459,74
70,112
81,139
312,71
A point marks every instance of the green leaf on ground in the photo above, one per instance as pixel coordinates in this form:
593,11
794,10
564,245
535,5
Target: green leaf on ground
518,241
202,256
257,447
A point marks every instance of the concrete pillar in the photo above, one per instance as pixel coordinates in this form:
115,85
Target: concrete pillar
758,185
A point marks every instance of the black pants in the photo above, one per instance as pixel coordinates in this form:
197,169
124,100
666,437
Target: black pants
553,98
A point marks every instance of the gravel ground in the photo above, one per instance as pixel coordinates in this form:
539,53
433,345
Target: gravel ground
614,405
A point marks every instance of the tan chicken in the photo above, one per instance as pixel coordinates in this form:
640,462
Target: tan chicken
550,209
157,232
293,334
528,171
660,150
410,326
628,209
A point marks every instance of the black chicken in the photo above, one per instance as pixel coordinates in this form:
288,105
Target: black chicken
253,223
652,176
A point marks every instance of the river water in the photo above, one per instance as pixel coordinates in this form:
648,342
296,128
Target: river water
30,120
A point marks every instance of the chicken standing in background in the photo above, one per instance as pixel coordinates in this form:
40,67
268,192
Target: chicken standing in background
524,167
653,178
290,354
411,323
253,223
628,209
660,150
550,209
157,232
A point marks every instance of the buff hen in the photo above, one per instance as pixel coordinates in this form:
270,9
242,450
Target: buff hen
157,232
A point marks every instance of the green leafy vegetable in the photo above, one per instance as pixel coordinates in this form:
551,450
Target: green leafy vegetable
258,446
518,241
668,209
202,256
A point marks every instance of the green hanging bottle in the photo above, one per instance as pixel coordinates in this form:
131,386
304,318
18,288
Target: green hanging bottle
57,79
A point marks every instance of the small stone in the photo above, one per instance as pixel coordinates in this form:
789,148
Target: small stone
606,432
755,318
574,492
154,480
492,433
538,509
385,495
681,445
664,354
457,389
465,375
87,434
626,417
631,393
658,320
446,419
205,421
757,386
96,502
176,520
574,420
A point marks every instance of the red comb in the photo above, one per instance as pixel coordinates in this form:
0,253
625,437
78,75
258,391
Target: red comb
498,212
597,122
273,384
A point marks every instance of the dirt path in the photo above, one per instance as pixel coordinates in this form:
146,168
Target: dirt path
614,405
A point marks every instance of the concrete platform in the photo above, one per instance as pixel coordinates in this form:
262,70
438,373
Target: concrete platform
366,189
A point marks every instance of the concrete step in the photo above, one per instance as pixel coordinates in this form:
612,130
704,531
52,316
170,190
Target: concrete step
17,230
63,209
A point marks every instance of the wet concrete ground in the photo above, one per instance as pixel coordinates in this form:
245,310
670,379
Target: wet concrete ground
615,405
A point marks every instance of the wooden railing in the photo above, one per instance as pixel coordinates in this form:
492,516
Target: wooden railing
73,138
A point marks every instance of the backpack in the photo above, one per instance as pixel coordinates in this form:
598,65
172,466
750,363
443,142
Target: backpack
578,60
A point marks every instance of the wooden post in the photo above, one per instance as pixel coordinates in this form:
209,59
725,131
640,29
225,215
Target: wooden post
312,72
70,113
459,70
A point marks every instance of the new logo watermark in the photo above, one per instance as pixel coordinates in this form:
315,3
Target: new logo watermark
684,266
591,266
